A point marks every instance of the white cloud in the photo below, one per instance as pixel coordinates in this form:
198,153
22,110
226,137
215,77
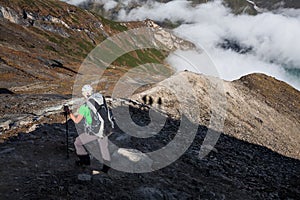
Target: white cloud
110,5
160,11
74,2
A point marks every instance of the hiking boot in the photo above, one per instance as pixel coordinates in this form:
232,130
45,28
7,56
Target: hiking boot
83,160
105,168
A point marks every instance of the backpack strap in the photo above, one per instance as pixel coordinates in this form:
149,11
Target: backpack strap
108,113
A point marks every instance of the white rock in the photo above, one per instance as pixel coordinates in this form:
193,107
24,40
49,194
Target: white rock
5,125
130,154
131,160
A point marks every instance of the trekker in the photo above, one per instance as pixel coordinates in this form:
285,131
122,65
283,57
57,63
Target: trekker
84,138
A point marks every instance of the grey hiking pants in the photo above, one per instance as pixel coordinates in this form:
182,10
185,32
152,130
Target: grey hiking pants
84,138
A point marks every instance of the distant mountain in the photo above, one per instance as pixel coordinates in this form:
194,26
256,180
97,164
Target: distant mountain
237,6
43,42
253,6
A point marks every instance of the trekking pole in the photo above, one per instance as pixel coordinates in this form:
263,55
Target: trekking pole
67,136
66,111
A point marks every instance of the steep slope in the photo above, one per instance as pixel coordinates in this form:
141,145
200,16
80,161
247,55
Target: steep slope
43,42
34,166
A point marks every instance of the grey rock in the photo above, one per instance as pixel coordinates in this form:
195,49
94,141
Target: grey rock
84,177
149,193
8,150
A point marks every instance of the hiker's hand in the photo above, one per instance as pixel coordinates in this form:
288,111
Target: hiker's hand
67,110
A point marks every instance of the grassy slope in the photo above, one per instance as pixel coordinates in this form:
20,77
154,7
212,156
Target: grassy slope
26,50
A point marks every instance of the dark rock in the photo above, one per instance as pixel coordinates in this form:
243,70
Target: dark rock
235,46
5,91
8,150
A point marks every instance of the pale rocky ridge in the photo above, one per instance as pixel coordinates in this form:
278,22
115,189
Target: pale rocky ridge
247,117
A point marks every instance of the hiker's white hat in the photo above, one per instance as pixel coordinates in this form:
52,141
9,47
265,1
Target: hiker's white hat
87,88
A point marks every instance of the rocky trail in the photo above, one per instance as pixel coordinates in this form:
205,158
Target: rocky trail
34,166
